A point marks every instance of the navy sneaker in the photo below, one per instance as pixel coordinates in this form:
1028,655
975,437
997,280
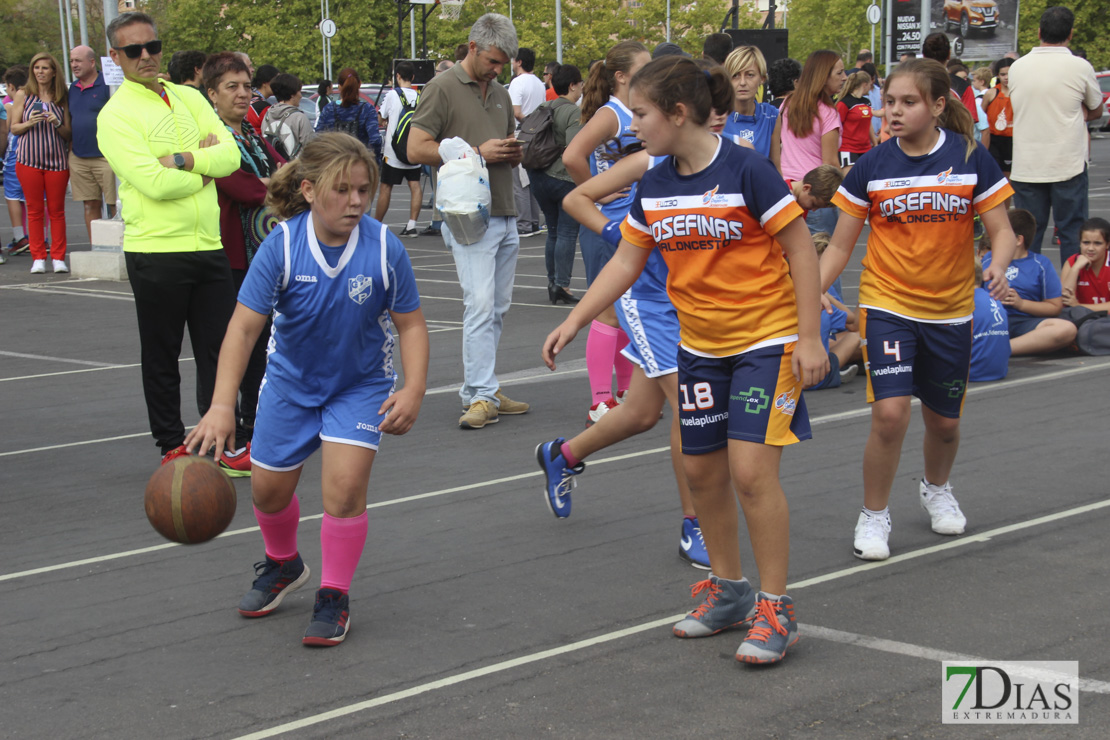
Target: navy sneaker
559,475
275,580
727,605
773,630
331,619
691,547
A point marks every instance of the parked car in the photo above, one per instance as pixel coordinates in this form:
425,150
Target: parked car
971,15
1102,123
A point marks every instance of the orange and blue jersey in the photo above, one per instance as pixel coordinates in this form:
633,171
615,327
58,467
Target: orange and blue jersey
920,261
726,275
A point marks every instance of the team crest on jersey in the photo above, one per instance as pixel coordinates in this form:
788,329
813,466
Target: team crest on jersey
944,175
709,195
1011,273
785,403
359,288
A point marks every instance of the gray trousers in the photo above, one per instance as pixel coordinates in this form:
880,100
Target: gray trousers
527,208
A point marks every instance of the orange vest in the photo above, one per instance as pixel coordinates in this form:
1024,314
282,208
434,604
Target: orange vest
1000,114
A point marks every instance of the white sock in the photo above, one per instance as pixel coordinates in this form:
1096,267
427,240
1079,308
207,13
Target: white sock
411,225
771,597
884,513
931,487
17,233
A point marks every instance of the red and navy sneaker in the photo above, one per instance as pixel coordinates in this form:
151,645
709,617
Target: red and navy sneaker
331,619
275,580
175,453
237,464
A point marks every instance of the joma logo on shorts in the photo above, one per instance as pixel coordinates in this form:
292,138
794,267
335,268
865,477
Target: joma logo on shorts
366,427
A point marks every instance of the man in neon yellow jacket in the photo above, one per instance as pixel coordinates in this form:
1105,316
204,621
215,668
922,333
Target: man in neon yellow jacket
166,144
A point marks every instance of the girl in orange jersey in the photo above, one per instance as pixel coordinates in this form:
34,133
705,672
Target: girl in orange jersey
749,336
921,191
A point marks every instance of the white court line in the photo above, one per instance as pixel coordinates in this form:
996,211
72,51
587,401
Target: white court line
47,358
86,370
828,418
918,651
820,632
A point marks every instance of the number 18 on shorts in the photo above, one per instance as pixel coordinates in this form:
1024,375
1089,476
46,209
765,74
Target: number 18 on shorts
752,397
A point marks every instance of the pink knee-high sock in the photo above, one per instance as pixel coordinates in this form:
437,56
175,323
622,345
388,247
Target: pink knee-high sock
600,349
341,543
621,364
279,530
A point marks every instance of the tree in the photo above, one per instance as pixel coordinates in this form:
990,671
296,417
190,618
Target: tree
840,25
1089,34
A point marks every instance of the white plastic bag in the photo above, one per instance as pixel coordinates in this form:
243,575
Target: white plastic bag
462,191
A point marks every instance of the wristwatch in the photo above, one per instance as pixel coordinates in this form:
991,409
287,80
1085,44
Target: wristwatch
179,160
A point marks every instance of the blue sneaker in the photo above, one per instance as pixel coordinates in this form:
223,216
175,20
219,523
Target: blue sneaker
275,580
773,630
560,477
331,619
691,547
727,605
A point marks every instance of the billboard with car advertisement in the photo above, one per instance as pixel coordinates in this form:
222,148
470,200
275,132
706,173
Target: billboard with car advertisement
980,30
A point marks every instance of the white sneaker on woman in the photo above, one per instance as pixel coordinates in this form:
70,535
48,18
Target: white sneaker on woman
38,267
60,266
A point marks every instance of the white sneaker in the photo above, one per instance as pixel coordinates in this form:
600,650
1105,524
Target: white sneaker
872,533
38,267
848,373
599,410
943,509
60,266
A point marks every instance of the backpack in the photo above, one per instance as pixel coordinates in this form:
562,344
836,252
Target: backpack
272,132
1093,335
537,132
400,140
353,127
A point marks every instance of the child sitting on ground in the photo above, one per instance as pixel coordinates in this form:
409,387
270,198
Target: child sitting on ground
1034,298
1085,279
839,332
990,334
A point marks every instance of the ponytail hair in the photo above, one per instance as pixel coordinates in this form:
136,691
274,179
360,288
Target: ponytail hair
671,80
349,83
854,80
601,81
932,81
325,160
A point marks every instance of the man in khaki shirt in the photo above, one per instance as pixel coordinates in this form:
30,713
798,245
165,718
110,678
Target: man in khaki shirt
1054,94
467,101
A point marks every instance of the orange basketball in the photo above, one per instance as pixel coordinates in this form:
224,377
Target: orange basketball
190,500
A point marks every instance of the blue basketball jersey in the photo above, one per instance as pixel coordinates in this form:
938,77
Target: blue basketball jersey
990,338
331,328
1033,277
756,128
652,283
608,152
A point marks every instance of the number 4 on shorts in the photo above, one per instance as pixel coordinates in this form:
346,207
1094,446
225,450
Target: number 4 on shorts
893,349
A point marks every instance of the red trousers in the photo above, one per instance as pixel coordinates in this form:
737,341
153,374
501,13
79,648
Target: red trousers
51,186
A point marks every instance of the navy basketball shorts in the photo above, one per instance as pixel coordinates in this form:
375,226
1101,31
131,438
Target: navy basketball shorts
752,397
904,357
286,434
652,329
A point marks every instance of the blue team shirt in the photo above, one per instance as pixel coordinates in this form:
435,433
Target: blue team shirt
990,339
331,329
652,283
1033,277
836,322
755,128
606,155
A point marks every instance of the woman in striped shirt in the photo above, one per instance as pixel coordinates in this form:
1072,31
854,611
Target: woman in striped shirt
40,117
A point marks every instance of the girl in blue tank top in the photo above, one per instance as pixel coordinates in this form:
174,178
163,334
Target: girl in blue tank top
601,142
336,281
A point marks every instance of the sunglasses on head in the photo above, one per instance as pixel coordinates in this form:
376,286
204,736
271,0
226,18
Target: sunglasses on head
134,51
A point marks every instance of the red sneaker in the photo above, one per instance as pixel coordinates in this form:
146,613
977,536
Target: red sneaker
599,410
237,465
175,453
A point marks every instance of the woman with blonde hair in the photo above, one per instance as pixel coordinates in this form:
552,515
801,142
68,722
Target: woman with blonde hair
40,118
749,120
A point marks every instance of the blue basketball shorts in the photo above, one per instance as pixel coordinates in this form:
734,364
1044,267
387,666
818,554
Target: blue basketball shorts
652,329
753,397
904,357
285,434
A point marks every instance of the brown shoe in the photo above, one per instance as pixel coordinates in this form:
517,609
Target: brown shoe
508,406
478,415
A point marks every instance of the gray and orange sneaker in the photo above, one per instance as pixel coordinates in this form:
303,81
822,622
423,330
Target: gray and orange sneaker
727,605
773,630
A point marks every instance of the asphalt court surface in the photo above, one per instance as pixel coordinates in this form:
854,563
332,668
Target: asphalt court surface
475,614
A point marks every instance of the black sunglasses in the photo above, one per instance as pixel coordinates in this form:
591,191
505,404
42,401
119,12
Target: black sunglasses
134,51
